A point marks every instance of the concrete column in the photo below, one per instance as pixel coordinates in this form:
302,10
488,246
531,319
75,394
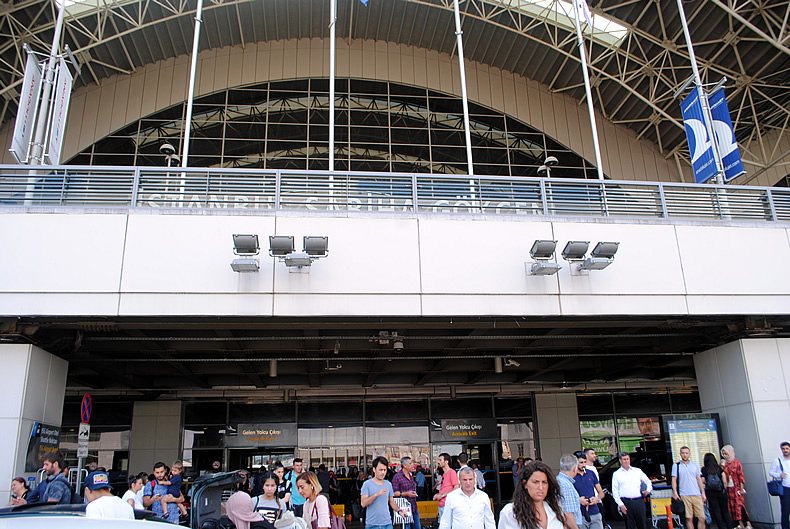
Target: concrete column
34,383
156,434
748,384
558,426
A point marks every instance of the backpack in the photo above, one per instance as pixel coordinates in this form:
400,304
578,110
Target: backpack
713,482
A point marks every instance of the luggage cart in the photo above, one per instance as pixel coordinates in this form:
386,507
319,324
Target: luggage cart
659,500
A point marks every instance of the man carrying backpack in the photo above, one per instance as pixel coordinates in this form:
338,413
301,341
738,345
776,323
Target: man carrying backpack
687,485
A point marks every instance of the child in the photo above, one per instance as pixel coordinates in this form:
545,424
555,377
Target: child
268,504
174,486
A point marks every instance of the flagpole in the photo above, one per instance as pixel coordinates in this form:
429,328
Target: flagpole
587,89
703,98
332,26
459,37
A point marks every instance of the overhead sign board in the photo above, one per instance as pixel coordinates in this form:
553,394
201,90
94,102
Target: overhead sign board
28,107
466,430
262,434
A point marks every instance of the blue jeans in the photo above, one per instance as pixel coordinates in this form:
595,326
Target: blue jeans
388,526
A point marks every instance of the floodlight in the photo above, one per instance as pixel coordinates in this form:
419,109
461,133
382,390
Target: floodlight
543,170
245,265
297,259
543,268
575,250
601,256
543,249
281,245
551,161
316,246
245,244
605,249
595,263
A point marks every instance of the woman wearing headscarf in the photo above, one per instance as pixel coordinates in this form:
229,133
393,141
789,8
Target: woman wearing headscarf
736,487
536,500
239,510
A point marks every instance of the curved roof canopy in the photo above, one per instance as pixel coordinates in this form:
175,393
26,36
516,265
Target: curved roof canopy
637,52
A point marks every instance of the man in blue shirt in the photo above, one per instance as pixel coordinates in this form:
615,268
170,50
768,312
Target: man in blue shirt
153,492
590,494
296,499
378,497
571,503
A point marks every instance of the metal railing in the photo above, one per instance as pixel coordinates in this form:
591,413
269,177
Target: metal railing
249,189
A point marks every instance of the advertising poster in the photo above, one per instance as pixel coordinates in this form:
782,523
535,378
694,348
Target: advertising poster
43,440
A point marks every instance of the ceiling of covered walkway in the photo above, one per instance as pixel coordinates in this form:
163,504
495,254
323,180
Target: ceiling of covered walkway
208,356
634,72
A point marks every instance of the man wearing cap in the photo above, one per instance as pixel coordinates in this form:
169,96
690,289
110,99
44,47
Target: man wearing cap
102,503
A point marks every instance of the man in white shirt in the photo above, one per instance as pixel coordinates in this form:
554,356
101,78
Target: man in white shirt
780,469
687,485
628,492
481,479
467,507
591,456
102,503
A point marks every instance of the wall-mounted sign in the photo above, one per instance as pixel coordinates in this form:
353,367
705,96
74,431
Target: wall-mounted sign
43,440
466,430
262,434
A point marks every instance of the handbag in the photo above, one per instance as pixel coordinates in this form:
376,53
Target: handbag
708,519
775,487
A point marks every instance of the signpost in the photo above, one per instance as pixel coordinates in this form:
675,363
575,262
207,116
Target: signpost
83,437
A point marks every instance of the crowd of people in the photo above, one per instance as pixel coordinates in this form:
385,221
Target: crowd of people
302,499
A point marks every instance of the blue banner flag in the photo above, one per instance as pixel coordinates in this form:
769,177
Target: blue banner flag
364,2
725,136
700,147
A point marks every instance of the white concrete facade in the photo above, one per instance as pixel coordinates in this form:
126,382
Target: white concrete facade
748,384
158,263
34,383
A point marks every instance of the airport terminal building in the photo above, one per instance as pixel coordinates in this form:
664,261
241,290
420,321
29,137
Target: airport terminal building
257,306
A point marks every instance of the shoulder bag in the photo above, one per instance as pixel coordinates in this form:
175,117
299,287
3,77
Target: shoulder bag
677,506
775,487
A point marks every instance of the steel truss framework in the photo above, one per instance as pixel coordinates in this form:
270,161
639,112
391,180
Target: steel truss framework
747,41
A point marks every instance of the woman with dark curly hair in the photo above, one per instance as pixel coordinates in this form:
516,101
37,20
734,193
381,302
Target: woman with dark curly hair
536,500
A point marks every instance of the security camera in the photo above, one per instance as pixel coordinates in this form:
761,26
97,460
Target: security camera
543,171
551,161
167,150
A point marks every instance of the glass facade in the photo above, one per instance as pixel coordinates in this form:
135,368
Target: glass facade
379,127
611,422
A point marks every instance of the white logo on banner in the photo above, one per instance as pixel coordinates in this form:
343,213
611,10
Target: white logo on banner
701,143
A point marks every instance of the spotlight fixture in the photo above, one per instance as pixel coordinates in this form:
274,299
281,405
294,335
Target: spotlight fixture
315,246
245,246
575,250
601,256
397,345
542,251
281,245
